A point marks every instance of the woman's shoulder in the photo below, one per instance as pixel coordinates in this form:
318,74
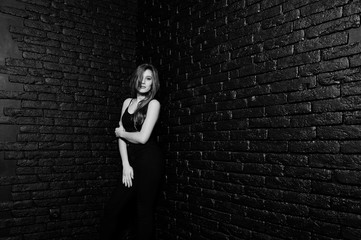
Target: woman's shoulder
154,103
127,101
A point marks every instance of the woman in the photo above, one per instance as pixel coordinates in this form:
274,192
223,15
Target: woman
141,158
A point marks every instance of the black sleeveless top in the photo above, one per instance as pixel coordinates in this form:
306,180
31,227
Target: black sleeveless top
128,123
127,120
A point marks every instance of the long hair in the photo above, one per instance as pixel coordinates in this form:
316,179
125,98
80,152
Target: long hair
135,83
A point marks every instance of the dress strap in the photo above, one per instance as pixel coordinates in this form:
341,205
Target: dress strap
130,102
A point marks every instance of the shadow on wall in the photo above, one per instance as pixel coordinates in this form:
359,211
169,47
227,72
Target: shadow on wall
8,130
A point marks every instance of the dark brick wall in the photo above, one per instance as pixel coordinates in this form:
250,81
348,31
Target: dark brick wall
62,69
262,128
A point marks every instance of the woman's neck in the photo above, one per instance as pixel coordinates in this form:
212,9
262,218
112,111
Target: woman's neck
140,97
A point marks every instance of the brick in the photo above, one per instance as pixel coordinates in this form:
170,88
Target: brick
352,118
209,107
239,36
288,109
269,122
347,75
30,187
262,169
336,39
350,233
32,48
351,103
318,18
270,3
332,229
294,85
313,200
275,76
234,146
284,40
248,180
207,88
265,100
273,54
246,51
247,157
249,112
264,14
329,105
339,132
215,79
307,173
355,61
231,125
234,63
321,6
315,147
315,94
280,19
22,113
333,26
348,177
278,31
268,146
287,159
36,56
341,51
221,96
41,26
351,147
289,184
290,208
253,91
252,134
321,67
14,10
299,59
23,63
214,136
335,217
263,193
352,8
292,134
27,31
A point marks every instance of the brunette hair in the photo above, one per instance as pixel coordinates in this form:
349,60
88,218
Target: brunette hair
135,83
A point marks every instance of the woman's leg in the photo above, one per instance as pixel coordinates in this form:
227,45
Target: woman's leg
118,213
149,177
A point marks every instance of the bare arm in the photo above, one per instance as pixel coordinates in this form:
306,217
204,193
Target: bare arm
127,169
144,134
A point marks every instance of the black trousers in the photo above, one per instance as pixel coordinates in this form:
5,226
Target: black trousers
134,207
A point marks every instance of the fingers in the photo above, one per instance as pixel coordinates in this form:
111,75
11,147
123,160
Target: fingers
127,179
118,131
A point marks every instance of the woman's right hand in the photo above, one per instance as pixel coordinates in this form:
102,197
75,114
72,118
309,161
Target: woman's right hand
128,175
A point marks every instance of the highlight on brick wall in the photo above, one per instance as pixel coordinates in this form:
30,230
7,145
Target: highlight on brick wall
260,122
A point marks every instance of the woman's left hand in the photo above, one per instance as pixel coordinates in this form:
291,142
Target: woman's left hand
119,131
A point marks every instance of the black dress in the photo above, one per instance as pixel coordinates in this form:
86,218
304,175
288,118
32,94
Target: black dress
147,162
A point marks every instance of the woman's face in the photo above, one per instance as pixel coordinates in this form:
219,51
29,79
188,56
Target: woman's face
147,81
